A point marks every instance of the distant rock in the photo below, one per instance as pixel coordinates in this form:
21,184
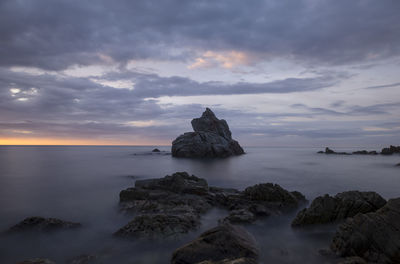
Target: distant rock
43,224
328,209
37,261
212,138
330,151
156,150
391,150
223,244
374,237
365,152
159,226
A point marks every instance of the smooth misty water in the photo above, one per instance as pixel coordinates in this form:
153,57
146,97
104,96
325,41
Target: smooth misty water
83,183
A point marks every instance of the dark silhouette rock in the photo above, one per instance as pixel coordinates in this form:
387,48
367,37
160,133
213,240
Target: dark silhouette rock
374,237
365,152
390,150
37,261
330,151
159,226
42,224
328,209
156,150
223,244
212,138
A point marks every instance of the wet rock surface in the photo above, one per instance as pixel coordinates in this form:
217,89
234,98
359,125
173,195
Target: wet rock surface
178,199
374,237
159,225
211,138
42,224
223,244
328,209
37,261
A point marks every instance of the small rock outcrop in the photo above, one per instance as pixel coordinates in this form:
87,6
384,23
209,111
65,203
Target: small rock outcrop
223,244
211,138
159,225
365,152
330,151
156,150
374,237
328,209
390,150
42,224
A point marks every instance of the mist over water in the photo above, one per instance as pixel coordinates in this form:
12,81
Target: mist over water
82,184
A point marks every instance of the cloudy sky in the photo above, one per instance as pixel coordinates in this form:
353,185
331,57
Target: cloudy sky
282,73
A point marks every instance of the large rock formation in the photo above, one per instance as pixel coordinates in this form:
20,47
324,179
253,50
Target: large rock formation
375,237
211,138
223,244
328,209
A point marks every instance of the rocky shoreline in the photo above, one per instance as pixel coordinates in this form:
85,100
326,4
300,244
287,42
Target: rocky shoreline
166,208
385,151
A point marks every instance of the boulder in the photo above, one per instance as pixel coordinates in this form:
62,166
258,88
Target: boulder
374,237
269,192
239,216
211,138
159,226
223,244
42,224
37,261
328,209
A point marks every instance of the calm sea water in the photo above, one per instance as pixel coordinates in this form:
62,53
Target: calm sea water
83,183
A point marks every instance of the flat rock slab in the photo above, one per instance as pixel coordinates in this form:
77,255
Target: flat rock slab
223,244
328,209
38,223
374,237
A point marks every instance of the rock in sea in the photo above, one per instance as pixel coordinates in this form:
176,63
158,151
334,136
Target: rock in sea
211,138
328,209
224,244
43,224
374,237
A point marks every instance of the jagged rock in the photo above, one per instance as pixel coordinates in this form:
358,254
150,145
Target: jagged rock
390,150
159,225
37,261
223,244
42,224
327,209
375,237
212,138
329,151
156,150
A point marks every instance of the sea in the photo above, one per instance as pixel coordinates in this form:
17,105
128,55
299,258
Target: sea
82,184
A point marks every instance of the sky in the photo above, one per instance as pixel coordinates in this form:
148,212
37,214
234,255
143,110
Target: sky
281,73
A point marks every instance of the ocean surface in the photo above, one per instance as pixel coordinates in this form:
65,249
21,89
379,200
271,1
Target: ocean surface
82,184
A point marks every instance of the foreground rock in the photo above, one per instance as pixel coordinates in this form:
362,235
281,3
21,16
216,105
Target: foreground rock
212,138
37,261
178,201
223,244
328,209
390,150
43,224
159,226
375,237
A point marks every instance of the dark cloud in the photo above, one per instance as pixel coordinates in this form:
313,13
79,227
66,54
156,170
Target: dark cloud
56,34
384,86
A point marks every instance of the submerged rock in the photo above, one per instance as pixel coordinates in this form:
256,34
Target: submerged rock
328,209
159,226
211,138
375,237
43,224
223,244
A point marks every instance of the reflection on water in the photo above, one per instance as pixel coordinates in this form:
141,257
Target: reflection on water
82,184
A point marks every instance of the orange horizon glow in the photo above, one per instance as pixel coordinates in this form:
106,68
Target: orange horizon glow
77,141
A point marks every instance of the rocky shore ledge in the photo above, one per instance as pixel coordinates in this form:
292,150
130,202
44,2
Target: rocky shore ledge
211,139
385,151
368,226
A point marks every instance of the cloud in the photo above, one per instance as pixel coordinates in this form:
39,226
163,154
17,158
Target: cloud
384,86
54,35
